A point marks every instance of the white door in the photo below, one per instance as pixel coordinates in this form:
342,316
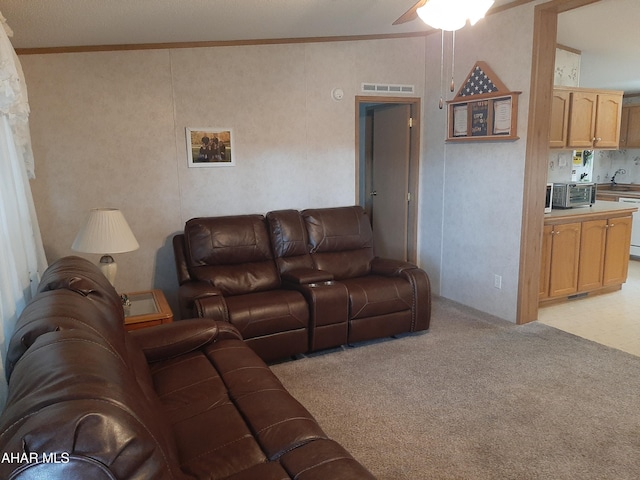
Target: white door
390,180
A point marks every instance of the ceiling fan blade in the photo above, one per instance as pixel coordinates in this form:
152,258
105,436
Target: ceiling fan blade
410,14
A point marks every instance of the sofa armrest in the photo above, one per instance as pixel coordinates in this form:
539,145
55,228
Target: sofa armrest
212,306
191,291
390,268
174,339
419,280
300,276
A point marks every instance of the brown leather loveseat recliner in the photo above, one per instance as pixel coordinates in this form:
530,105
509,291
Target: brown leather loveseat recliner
229,267
322,257
185,400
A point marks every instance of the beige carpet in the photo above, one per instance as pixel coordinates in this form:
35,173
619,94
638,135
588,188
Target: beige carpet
478,398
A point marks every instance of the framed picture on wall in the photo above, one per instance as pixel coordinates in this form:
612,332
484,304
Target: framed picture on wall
210,147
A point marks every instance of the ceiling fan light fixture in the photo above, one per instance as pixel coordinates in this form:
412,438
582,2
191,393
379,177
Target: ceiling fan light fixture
452,15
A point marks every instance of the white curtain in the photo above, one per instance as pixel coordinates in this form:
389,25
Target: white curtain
22,258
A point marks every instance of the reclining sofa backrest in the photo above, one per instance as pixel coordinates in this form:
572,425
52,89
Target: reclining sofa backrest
76,376
232,253
289,240
340,240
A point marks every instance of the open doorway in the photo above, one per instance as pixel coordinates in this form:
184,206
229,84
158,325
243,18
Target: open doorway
537,156
387,165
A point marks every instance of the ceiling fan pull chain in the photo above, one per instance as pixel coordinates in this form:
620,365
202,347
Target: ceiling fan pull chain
441,104
453,58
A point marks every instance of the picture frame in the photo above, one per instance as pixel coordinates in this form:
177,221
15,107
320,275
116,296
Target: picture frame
210,147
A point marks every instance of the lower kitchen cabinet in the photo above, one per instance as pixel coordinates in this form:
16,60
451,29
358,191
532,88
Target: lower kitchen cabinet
584,256
616,257
565,248
545,267
592,248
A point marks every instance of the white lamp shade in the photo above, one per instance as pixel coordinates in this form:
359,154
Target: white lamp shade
105,231
452,15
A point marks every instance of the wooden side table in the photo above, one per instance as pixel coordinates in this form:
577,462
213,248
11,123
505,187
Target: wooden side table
148,308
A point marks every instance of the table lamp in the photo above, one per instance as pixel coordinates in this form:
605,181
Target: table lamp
105,231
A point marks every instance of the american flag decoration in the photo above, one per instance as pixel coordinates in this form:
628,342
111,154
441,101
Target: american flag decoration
478,83
481,81
483,109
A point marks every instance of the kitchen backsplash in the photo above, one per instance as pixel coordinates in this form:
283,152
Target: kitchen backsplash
625,162
605,164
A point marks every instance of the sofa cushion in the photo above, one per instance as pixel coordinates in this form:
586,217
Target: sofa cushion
375,295
232,253
289,240
63,309
262,471
322,460
340,240
230,414
80,275
279,422
265,313
212,437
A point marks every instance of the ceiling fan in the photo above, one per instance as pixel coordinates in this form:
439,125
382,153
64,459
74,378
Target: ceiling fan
448,14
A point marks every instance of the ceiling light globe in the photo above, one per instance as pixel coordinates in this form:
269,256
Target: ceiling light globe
451,15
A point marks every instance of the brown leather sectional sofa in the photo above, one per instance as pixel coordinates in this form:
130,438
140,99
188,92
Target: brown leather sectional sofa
187,400
295,282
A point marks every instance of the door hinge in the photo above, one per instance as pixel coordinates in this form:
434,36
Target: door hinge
410,122
408,196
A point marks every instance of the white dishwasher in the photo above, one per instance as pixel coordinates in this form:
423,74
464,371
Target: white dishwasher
635,229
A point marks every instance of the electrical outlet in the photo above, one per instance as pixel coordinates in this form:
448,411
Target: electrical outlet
497,281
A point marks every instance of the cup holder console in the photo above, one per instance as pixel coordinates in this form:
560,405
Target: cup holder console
320,284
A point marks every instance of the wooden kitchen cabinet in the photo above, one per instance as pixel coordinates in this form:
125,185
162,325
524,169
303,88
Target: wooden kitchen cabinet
592,248
630,127
604,253
592,118
545,268
559,118
586,252
582,119
616,258
563,268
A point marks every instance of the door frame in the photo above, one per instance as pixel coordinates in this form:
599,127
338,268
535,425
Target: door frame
545,29
414,162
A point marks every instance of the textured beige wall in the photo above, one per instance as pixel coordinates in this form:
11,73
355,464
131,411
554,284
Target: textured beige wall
474,233
108,129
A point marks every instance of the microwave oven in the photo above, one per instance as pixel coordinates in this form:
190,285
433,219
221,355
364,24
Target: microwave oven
569,195
548,199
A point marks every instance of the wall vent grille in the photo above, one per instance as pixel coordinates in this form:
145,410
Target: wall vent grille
387,88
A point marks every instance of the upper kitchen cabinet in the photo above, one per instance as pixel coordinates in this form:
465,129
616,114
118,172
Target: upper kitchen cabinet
630,127
585,118
559,118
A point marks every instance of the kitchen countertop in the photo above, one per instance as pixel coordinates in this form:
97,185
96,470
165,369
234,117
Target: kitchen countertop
599,210
605,191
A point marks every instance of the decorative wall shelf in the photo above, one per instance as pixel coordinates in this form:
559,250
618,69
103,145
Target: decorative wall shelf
483,109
